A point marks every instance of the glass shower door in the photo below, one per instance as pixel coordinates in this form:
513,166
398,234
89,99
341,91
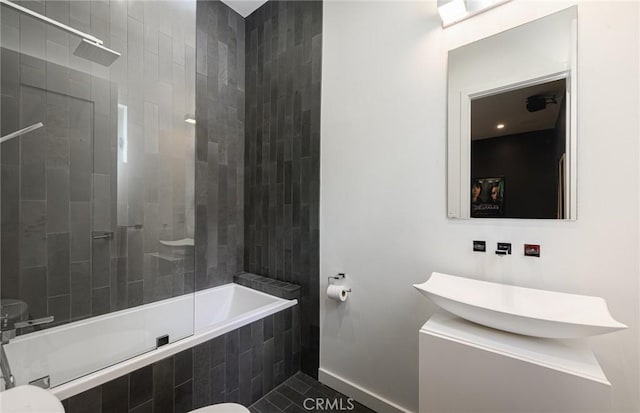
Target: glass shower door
96,199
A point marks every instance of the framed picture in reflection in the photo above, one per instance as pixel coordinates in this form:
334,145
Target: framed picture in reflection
487,197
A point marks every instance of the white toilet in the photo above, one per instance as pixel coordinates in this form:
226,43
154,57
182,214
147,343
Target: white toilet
222,408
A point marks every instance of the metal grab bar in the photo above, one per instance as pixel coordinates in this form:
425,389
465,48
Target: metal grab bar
21,131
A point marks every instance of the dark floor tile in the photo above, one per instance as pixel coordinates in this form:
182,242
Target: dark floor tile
278,400
295,409
305,378
285,398
264,406
297,385
320,390
291,394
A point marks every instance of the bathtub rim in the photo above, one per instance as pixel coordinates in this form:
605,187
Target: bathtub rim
99,377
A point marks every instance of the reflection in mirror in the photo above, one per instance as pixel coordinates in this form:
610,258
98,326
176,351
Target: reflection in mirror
518,153
511,122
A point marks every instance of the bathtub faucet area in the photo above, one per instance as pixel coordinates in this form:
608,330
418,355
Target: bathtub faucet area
5,369
9,334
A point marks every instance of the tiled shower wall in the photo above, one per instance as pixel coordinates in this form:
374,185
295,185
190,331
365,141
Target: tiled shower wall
282,158
220,46
71,178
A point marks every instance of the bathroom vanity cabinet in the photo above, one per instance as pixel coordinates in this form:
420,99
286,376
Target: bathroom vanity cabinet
466,367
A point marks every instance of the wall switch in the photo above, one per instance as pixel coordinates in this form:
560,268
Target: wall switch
531,250
504,248
479,246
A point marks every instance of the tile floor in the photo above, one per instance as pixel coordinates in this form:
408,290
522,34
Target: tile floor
290,396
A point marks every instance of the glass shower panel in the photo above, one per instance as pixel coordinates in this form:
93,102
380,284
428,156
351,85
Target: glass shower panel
96,180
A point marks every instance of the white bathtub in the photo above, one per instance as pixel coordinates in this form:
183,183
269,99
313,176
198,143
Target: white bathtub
84,354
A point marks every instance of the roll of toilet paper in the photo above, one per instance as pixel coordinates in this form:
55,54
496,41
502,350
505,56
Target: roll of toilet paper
338,292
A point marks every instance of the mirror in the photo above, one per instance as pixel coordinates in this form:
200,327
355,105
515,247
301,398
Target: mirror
511,123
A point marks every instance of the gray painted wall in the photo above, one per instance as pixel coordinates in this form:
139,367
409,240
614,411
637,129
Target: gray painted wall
282,158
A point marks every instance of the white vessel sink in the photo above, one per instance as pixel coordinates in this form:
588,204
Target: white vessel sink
520,310
29,399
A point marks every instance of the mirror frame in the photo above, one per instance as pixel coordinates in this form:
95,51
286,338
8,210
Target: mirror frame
459,127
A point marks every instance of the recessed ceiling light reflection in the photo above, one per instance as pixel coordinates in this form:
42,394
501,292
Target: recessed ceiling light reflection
500,126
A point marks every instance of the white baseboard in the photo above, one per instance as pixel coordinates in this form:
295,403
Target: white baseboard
359,394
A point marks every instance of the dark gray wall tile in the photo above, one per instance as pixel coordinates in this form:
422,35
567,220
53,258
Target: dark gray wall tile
33,242
244,377
80,228
201,376
134,291
80,151
183,367
115,395
143,408
163,386
218,381
219,143
57,200
218,350
101,263
89,401
80,289
140,386
58,264
100,301
60,308
282,109
184,397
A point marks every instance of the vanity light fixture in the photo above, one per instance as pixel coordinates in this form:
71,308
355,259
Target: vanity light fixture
451,11
191,119
455,11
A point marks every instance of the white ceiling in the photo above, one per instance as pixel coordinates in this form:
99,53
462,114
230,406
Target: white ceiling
510,109
244,7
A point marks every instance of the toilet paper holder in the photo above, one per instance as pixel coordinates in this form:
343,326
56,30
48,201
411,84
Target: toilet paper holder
340,276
